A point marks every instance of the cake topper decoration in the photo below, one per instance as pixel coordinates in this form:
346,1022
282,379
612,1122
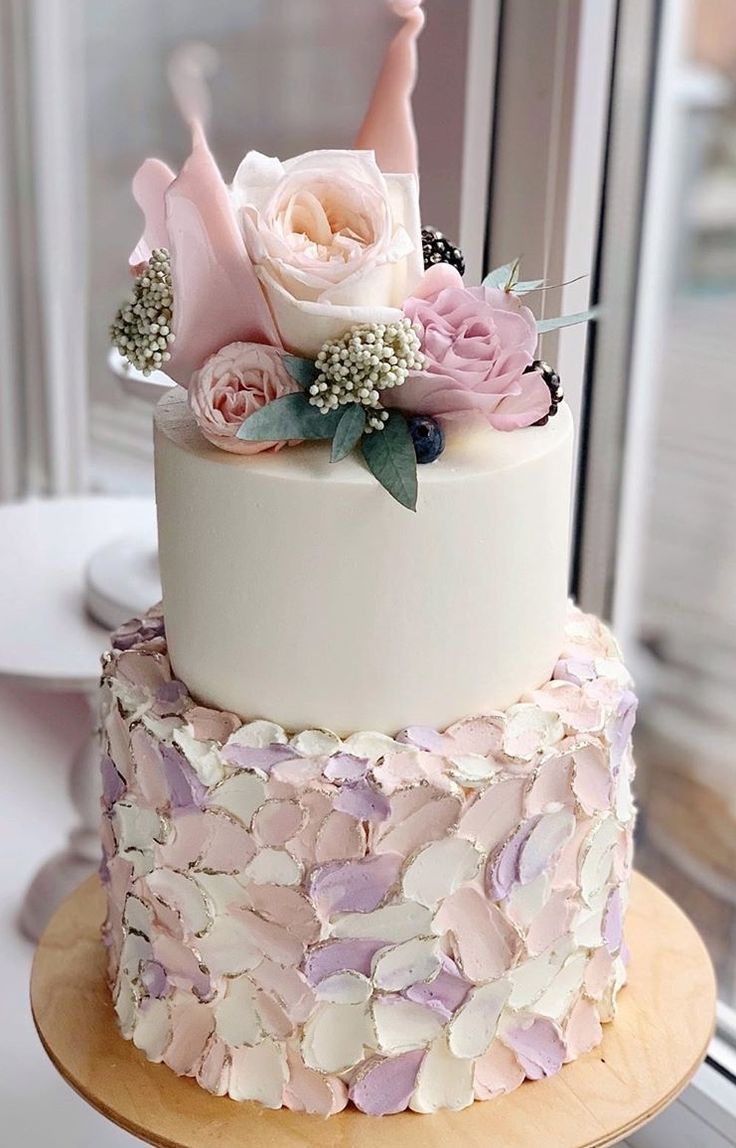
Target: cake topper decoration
388,128
216,298
306,302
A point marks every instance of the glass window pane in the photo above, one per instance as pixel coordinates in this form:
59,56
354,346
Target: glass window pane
687,613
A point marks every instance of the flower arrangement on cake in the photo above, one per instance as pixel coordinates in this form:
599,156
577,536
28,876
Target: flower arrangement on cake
306,301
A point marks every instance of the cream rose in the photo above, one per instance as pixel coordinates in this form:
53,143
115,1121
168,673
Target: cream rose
333,240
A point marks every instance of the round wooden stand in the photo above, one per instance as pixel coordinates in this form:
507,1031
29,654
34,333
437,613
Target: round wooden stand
659,1038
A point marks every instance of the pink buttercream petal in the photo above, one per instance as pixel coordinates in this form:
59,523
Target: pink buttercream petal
213,1072
340,837
583,1030
229,846
388,127
217,297
150,184
552,785
306,1090
497,1072
486,943
495,814
550,923
429,822
286,907
192,1026
183,847
482,734
289,986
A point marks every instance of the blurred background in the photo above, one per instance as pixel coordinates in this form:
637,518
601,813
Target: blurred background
593,137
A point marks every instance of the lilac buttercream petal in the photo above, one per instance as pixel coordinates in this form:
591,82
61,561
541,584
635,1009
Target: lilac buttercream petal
445,993
503,870
113,785
171,698
185,788
539,1047
385,1084
341,956
363,801
345,767
153,976
574,670
354,886
622,727
422,736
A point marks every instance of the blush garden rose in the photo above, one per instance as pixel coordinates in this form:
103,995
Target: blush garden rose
233,384
334,241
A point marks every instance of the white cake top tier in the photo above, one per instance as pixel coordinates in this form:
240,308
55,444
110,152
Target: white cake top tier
296,589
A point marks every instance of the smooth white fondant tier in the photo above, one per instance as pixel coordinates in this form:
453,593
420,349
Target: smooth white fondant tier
300,590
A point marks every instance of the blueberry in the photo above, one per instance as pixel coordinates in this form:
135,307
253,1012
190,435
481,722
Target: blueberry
427,436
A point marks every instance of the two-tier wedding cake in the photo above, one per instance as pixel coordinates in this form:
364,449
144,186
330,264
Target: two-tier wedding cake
367,823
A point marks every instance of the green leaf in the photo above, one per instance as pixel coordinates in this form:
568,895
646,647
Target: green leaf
567,320
302,371
502,276
391,459
349,431
291,416
523,288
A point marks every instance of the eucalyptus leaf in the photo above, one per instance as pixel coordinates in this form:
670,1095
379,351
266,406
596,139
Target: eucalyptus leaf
349,431
291,416
567,320
501,276
523,287
302,371
390,456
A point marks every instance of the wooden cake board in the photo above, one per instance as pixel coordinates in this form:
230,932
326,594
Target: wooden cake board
660,1036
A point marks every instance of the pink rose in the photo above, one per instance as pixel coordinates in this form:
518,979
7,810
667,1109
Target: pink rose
232,384
477,342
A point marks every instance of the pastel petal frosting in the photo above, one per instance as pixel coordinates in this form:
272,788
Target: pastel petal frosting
408,922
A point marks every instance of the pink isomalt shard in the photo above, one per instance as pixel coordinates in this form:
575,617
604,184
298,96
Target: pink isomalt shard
388,128
217,296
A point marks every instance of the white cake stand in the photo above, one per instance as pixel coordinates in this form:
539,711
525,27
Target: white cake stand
122,578
49,642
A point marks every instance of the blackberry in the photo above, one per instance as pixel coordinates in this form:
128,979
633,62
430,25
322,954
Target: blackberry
437,249
556,394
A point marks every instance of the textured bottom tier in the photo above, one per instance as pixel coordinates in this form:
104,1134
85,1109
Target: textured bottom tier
417,921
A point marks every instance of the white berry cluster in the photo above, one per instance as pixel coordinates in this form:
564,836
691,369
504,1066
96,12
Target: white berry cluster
141,330
368,359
